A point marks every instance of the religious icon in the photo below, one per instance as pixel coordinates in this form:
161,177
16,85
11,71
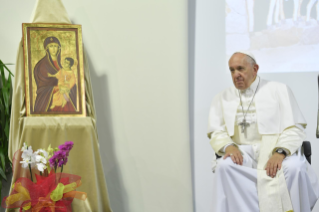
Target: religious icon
54,74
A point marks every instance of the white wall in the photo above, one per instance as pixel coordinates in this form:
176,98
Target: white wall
137,52
212,76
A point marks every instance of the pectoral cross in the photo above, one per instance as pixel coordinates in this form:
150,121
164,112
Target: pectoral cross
243,125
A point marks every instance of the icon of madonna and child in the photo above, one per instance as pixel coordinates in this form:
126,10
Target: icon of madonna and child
55,81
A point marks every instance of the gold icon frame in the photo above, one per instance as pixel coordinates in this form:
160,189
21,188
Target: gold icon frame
42,71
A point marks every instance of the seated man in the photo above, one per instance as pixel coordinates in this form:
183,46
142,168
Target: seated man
258,128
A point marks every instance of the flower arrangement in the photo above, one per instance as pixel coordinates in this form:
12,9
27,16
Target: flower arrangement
53,190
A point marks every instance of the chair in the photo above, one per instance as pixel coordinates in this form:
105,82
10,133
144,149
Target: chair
306,150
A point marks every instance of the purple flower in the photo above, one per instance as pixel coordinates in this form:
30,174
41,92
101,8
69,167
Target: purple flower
67,146
65,161
52,161
60,163
63,147
60,157
59,154
64,154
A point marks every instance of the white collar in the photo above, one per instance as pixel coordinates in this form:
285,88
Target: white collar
252,88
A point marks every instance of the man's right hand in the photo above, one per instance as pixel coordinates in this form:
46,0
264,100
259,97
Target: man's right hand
234,153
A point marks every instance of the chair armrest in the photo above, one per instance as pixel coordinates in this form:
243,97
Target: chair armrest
307,150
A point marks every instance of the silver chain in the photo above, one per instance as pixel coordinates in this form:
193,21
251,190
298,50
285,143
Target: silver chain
250,101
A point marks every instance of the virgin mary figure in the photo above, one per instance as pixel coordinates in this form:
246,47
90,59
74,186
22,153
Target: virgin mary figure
49,65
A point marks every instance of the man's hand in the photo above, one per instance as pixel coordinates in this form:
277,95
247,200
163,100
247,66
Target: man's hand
274,164
234,153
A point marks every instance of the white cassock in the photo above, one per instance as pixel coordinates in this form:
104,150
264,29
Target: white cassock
275,121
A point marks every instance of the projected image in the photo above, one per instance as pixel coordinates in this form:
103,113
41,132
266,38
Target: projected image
282,34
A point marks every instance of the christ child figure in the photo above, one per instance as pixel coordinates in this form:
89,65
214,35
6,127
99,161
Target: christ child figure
66,80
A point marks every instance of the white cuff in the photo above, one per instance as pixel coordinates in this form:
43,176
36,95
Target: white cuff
224,148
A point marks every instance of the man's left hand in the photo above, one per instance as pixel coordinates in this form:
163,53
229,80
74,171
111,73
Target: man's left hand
274,164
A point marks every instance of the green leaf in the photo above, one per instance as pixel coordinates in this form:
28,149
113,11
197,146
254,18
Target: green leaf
2,73
9,166
10,90
6,96
7,67
0,186
3,160
5,113
3,175
2,115
6,130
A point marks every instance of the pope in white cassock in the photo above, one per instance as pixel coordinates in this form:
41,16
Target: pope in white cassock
258,128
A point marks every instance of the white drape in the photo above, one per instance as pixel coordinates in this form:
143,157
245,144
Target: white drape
235,186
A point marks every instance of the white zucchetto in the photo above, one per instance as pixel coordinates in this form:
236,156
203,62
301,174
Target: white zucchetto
246,53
